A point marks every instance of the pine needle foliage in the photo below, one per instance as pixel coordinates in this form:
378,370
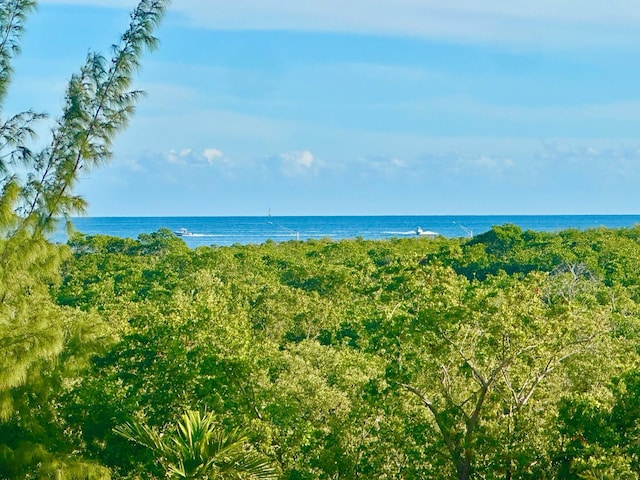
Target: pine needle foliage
13,14
99,104
36,192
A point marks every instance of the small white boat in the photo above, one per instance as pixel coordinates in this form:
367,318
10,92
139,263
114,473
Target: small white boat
426,233
183,232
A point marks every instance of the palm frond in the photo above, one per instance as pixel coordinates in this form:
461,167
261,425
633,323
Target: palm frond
199,449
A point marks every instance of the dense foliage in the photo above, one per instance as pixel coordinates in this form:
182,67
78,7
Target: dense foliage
512,355
42,345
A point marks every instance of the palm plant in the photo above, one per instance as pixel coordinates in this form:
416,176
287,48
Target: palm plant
198,449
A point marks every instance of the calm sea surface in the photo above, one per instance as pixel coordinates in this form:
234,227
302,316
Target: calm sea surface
248,230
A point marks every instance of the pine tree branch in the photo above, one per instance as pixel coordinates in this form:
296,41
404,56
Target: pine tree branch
12,15
79,139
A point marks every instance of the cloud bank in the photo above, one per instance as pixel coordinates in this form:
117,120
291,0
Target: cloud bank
512,23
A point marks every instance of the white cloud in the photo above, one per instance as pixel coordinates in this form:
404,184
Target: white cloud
134,165
212,155
453,166
298,163
614,12
546,22
186,158
519,22
485,162
611,163
382,164
130,4
174,157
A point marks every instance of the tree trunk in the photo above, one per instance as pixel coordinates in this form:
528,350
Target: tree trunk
464,469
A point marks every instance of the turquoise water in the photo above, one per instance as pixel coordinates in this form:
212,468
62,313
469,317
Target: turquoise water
254,230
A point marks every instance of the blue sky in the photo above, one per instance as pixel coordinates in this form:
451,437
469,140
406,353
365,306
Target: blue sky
356,107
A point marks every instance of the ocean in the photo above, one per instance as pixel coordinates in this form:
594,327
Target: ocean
222,231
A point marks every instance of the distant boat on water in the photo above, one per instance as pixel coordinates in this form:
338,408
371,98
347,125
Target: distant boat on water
426,233
183,232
